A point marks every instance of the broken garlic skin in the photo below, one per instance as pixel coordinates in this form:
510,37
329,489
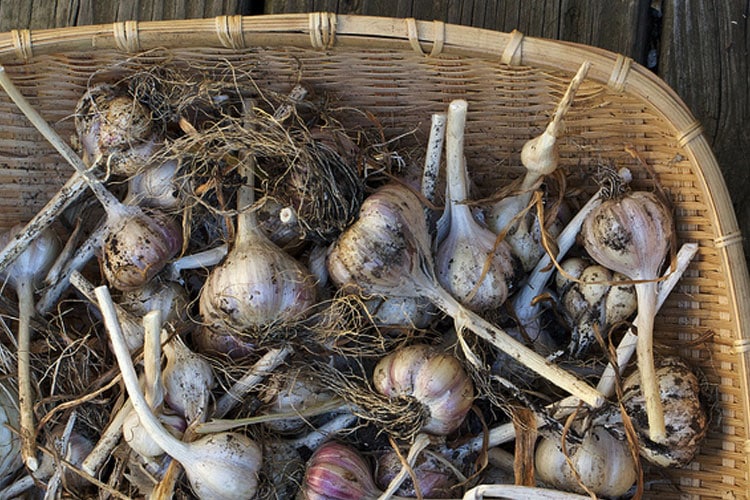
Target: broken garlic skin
591,302
685,417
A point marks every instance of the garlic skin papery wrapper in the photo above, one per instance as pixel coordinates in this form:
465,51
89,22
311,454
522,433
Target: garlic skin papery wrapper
10,443
433,378
387,252
462,256
630,234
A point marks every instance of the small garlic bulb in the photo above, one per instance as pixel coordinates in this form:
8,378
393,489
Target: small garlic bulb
109,123
684,415
188,380
433,378
290,392
604,463
592,303
401,312
136,248
141,442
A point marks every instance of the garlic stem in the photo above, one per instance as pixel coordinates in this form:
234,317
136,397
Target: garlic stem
644,322
85,253
154,392
173,447
200,260
458,189
512,492
434,151
627,345
500,339
323,433
259,371
24,289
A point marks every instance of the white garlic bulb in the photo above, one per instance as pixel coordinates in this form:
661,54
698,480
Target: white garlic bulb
435,379
603,462
470,264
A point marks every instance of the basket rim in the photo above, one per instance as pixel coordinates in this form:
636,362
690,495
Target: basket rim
328,31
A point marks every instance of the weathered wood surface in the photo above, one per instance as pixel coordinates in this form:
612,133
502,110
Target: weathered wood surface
699,47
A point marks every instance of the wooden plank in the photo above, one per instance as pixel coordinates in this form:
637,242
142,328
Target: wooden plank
704,57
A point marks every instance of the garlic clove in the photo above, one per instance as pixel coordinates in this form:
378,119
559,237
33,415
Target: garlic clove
594,283
188,380
621,301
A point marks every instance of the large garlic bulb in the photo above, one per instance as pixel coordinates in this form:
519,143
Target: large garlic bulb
434,379
603,462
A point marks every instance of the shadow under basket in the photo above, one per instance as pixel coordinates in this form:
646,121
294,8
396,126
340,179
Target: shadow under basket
402,71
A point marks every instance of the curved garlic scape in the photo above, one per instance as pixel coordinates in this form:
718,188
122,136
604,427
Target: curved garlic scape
591,303
684,415
462,256
435,379
604,463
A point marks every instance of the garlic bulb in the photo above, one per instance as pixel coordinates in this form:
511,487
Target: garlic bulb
141,441
188,380
433,378
603,462
469,263
258,284
630,234
401,312
291,392
155,187
338,472
136,248
107,123
591,303
684,415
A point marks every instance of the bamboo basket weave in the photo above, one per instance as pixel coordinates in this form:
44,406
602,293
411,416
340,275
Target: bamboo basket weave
402,70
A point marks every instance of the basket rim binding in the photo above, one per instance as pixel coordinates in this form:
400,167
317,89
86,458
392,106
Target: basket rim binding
326,31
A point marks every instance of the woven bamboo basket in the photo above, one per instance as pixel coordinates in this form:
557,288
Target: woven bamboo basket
402,70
